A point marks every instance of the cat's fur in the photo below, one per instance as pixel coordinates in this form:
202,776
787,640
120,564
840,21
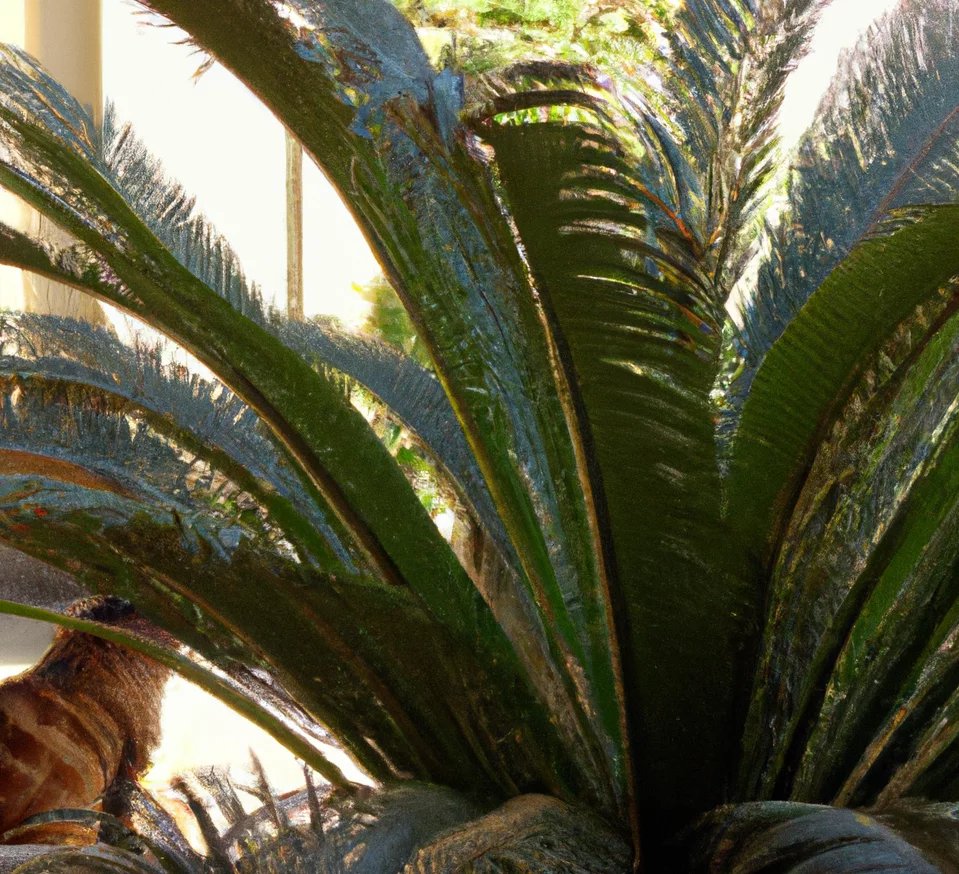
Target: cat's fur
86,714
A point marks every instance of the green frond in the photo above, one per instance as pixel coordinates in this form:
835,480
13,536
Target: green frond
132,269
411,393
120,259
884,138
846,514
366,661
388,136
638,332
802,384
679,578
171,213
723,80
878,514
628,238
189,437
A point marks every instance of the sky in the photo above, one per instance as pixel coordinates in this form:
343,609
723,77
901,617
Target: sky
838,29
227,149
218,140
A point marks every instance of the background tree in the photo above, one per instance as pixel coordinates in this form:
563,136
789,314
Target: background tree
478,36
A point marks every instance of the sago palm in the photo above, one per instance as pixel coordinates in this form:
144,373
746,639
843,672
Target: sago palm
709,580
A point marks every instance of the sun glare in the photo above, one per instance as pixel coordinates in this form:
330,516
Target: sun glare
228,150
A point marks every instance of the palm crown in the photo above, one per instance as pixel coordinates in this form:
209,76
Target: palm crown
705,565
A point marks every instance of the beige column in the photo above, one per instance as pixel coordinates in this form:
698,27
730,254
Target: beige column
66,37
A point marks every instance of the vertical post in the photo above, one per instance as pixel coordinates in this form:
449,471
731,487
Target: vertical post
294,228
66,37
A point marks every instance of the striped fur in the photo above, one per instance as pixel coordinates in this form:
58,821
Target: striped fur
87,713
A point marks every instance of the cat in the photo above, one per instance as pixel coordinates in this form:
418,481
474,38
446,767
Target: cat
85,716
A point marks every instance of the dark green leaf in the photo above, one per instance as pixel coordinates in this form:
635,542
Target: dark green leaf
330,443
411,393
639,336
352,82
806,376
865,573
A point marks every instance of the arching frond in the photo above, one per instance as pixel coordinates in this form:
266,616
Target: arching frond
171,213
801,386
185,416
639,336
431,597
864,586
725,71
884,138
851,506
411,393
384,128
365,661
632,224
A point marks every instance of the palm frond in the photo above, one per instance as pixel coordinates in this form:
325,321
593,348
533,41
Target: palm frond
86,365
414,396
412,393
883,138
891,582
628,237
431,597
843,475
707,46
47,425
804,380
383,126
366,661
638,334
53,348
725,71
171,213
187,310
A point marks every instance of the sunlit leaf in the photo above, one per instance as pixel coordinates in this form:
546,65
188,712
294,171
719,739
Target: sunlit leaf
383,126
